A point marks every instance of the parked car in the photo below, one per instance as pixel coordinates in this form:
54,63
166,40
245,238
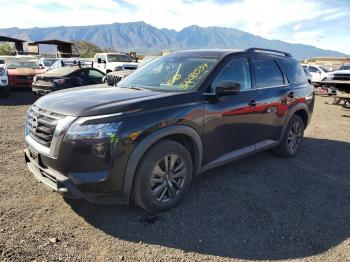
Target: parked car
21,73
170,120
63,62
317,72
308,75
4,87
113,78
46,63
342,74
109,62
65,77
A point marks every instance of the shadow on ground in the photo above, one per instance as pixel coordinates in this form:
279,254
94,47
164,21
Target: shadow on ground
262,207
18,98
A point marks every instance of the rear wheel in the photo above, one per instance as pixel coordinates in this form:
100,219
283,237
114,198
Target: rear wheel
292,138
163,177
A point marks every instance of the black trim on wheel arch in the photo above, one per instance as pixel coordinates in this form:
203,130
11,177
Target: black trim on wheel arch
290,113
144,145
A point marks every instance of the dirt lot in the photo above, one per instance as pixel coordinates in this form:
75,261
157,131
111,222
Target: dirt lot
259,208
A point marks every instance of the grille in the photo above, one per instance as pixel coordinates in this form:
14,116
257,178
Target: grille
42,124
129,67
345,77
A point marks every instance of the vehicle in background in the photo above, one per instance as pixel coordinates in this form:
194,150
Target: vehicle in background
342,74
308,75
21,73
2,63
317,72
109,62
113,78
167,122
46,63
65,77
4,87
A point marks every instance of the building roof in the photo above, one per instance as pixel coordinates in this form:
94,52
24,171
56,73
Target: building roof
52,42
10,39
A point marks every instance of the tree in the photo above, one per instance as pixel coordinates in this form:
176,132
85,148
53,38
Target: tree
86,49
6,49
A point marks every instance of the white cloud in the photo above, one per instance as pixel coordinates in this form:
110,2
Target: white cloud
260,17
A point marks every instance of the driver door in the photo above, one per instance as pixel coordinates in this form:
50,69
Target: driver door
230,122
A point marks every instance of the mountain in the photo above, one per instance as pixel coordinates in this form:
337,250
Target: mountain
142,36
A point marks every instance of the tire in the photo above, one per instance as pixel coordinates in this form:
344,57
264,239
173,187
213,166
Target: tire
156,188
292,138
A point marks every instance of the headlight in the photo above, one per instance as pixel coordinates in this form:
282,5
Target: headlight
330,77
118,68
92,132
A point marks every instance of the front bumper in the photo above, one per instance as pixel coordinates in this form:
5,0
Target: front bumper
13,82
42,89
66,187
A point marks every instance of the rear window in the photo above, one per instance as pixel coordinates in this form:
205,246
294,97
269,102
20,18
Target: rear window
267,73
293,70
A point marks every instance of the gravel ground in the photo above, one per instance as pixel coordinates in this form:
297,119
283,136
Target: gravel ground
259,208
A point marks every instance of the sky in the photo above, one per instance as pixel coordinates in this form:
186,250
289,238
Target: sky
322,23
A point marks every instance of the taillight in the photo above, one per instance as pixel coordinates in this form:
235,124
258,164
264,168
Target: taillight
59,81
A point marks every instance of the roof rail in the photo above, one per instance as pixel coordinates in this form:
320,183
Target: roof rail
255,49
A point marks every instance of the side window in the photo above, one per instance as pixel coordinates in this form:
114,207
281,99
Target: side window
95,74
267,73
236,70
295,73
313,69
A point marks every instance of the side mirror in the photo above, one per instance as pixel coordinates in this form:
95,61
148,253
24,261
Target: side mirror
99,60
227,88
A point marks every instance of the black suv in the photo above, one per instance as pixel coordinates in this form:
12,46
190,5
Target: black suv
170,120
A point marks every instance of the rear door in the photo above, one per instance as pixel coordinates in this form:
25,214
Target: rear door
275,94
315,73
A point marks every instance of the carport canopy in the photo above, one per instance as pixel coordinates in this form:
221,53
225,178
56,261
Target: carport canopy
18,42
64,49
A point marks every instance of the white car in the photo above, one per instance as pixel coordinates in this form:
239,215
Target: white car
342,74
46,63
4,81
109,62
318,72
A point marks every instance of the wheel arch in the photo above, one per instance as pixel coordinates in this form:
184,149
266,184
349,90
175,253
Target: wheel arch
185,135
299,110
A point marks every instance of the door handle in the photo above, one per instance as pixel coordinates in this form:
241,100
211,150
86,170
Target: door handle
291,95
252,103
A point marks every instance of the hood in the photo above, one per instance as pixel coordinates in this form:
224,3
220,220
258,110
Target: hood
340,72
124,64
25,71
96,100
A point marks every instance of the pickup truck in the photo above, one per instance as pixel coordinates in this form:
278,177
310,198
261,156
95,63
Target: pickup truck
109,62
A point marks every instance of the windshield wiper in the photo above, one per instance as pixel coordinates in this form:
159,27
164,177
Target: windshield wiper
135,88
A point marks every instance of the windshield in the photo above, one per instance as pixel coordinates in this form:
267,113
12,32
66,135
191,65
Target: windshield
325,69
344,67
171,73
49,62
15,65
118,58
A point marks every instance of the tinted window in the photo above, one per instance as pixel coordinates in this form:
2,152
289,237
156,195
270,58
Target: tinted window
236,70
267,73
95,74
313,69
293,70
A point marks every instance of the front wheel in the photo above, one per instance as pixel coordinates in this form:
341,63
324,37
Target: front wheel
163,177
292,138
